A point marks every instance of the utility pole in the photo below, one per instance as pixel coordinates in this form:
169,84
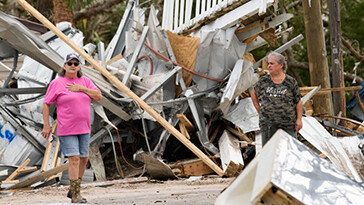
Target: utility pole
336,57
316,51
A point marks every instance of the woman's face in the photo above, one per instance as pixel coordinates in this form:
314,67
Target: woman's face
273,66
72,66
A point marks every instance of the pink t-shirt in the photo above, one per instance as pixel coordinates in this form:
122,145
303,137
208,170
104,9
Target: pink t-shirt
73,108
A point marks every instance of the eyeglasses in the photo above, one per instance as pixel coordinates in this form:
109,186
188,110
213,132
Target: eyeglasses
75,63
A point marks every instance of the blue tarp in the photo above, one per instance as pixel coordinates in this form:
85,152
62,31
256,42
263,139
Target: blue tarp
352,104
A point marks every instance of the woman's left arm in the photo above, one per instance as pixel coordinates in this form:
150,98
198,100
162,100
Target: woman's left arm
94,94
299,110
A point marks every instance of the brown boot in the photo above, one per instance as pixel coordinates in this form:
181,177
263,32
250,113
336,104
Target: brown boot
75,191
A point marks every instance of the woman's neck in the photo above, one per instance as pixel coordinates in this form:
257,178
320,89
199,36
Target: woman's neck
278,78
70,76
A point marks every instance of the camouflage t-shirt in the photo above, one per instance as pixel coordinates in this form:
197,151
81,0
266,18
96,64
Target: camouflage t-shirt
277,101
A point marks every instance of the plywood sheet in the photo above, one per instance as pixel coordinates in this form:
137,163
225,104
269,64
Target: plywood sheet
185,50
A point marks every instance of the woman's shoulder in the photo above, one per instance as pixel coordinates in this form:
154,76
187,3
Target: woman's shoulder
57,80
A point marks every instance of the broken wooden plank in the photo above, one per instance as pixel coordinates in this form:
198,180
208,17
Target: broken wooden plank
183,130
324,91
217,130
29,169
194,167
46,157
230,154
182,118
16,172
96,162
241,136
121,86
39,177
10,182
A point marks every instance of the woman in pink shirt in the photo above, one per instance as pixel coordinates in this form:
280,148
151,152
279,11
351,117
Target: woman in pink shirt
72,94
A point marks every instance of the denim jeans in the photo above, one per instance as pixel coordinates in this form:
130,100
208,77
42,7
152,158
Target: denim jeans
75,145
269,130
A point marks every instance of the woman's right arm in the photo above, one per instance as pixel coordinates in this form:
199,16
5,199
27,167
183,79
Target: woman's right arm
47,129
255,101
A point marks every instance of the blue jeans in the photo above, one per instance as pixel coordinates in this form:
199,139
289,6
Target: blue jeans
75,145
270,130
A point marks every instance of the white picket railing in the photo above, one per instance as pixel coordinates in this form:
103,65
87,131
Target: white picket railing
178,14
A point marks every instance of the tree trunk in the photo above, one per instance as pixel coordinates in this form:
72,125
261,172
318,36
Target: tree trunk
62,11
316,50
336,57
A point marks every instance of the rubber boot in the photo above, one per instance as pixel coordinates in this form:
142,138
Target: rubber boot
75,191
69,194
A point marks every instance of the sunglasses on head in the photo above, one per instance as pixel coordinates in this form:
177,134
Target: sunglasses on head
75,63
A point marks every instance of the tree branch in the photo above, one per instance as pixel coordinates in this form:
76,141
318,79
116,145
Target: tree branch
98,8
355,53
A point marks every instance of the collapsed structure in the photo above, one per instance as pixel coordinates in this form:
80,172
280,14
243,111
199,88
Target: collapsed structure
199,82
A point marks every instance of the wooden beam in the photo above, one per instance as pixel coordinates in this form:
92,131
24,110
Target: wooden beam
39,177
16,172
96,162
189,126
29,169
212,138
10,182
46,157
122,87
327,90
241,136
195,167
183,130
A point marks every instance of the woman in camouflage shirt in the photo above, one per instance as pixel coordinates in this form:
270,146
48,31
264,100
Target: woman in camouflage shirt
280,100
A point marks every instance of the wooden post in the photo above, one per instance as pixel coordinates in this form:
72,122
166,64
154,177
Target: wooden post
122,87
316,51
336,57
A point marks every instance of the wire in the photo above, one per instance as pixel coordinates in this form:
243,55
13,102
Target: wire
144,130
113,148
183,67
122,154
150,61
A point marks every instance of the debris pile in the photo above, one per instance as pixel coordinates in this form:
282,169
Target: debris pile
199,84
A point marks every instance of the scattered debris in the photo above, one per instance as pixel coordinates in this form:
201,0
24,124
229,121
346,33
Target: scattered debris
154,80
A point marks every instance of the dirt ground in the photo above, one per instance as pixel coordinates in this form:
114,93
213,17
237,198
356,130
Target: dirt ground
133,191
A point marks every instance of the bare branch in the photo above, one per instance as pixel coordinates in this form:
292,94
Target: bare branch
355,53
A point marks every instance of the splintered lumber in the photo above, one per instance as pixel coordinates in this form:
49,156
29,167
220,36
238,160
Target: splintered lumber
17,171
40,176
324,91
183,130
28,169
274,196
241,136
46,157
182,118
194,167
217,130
230,154
96,162
122,87
10,182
